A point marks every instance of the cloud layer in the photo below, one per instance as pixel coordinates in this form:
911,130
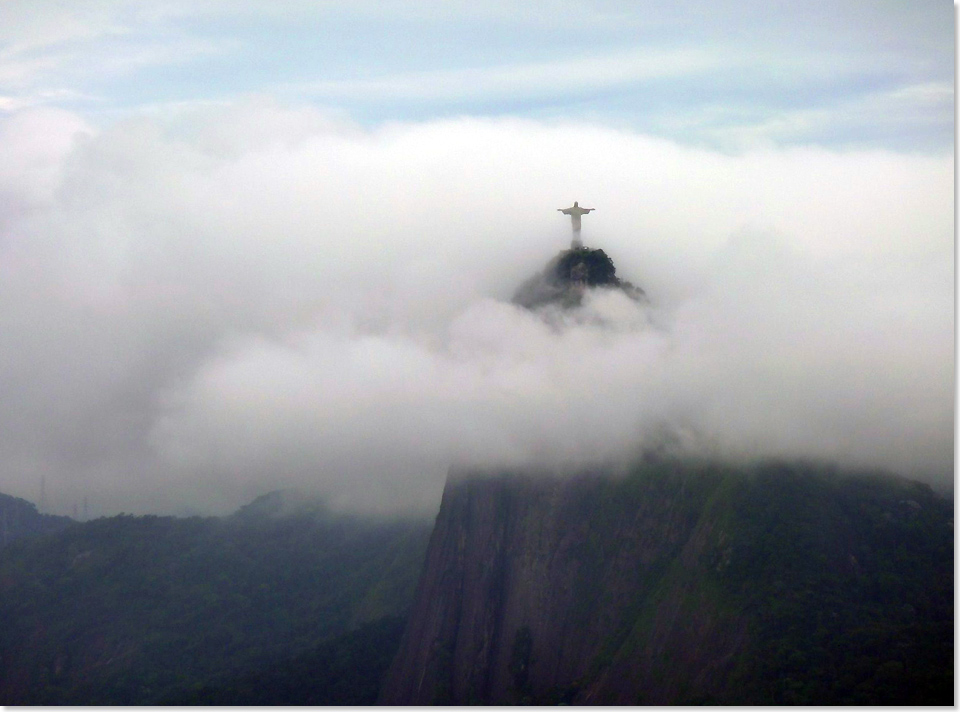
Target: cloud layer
196,311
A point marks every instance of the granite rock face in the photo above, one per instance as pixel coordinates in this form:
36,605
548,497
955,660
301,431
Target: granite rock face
674,583
532,589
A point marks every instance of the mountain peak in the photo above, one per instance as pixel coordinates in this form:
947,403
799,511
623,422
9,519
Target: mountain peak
568,275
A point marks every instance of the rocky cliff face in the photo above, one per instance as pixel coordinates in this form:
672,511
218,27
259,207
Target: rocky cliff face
532,585
670,584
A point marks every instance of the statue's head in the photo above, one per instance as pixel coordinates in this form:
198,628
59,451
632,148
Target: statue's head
576,204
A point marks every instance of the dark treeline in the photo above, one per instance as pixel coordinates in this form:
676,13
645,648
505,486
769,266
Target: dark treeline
139,610
20,518
346,670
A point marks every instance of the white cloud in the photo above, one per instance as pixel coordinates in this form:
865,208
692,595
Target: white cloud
51,54
259,296
35,145
29,27
859,118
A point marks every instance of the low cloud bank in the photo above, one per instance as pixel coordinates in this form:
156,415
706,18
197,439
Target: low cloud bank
198,311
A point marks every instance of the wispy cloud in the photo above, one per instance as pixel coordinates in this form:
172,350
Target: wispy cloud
29,28
891,116
745,72
58,56
11,103
590,73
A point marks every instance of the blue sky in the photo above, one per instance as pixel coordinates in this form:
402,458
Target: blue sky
730,75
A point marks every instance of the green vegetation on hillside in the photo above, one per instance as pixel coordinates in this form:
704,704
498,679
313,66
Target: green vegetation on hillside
850,582
20,518
128,610
843,583
345,670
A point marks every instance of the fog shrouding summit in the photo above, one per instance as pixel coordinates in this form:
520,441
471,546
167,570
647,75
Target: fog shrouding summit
196,311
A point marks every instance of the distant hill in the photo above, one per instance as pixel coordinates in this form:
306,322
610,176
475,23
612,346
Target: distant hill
683,583
20,518
564,279
140,610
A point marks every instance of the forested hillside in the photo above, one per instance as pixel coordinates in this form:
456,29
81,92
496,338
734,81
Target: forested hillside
667,583
20,518
138,610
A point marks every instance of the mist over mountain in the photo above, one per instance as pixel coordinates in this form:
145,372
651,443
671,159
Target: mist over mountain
683,568
203,308
356,411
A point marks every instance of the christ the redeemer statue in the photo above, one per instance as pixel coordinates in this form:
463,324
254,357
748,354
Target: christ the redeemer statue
575,212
